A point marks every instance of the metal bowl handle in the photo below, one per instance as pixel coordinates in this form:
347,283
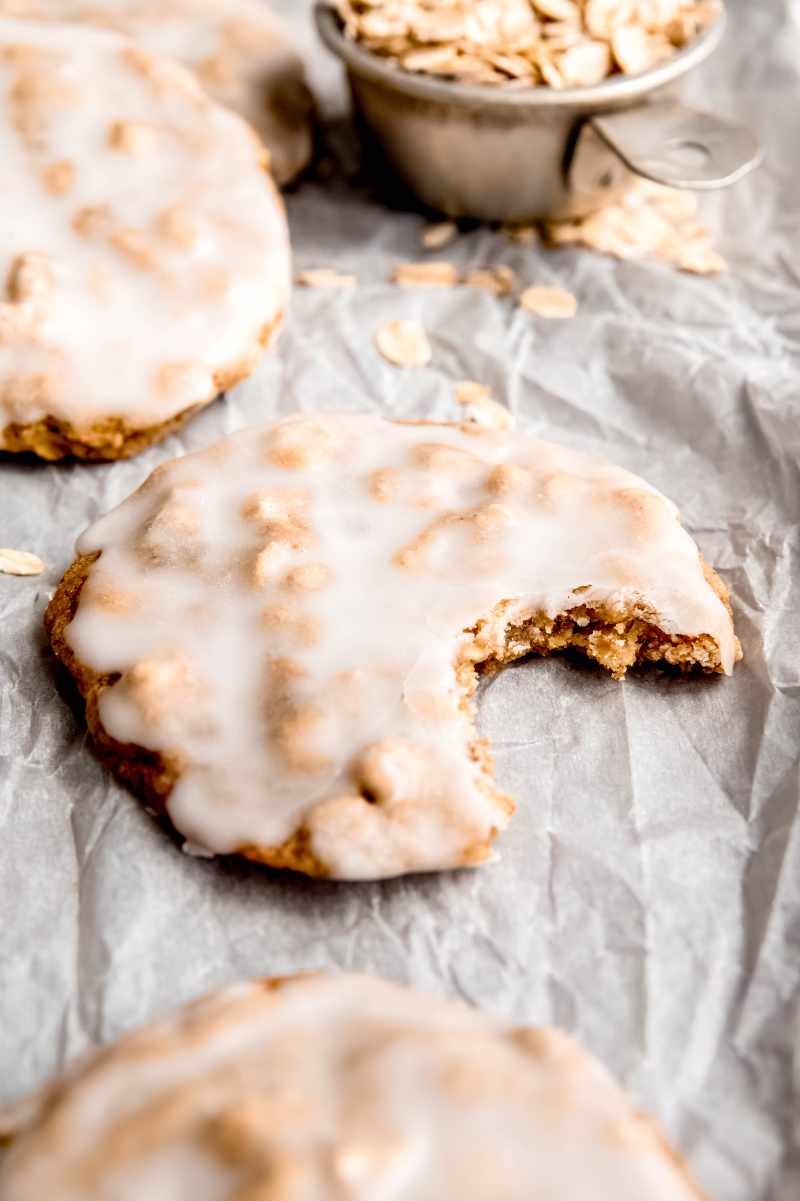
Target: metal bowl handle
678,146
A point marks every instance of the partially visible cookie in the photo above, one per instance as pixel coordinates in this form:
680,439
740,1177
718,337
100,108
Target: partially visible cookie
144,256
277,639
339,1088
239,50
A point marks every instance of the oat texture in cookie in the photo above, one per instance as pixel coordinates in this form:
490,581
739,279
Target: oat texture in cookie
314,1088
144,256
526,43
238,49
278,638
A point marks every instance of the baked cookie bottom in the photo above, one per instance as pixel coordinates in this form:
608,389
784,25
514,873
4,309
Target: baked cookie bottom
114,438
616,639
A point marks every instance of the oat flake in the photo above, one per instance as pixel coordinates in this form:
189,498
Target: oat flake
325,277
404,343
469,391
552,303
434,237
19,562
500,281
425,275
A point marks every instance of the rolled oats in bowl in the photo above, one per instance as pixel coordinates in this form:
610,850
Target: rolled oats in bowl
526,43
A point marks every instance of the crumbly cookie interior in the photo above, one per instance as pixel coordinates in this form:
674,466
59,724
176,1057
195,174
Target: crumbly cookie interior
616,638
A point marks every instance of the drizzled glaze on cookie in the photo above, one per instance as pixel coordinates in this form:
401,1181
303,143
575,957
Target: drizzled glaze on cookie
278,638
144,257
340,1089
239,50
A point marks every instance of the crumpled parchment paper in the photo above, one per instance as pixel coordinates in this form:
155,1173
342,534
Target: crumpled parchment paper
648,897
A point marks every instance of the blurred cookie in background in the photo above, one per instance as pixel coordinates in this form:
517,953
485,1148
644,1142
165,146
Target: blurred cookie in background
144,253
340,1088
239,50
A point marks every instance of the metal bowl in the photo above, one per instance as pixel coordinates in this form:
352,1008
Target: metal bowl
471,150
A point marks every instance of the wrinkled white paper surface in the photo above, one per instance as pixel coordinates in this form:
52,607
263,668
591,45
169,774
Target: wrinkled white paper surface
648,897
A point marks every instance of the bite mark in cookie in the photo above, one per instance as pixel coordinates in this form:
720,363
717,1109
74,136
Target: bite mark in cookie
333,585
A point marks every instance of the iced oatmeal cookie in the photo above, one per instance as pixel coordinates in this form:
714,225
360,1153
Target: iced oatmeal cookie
339,1088
144,257
278,639
238,49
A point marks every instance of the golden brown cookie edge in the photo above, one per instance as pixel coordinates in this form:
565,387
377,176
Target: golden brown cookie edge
148,774
113,438
151,776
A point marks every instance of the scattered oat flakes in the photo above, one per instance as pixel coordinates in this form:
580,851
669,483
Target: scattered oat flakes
434,237
552,303
325,277
650,221
425,275
500,281
404,343
19,562
526,43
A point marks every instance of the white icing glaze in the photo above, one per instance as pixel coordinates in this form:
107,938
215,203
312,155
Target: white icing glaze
240,51
282,632
143,249
340,1089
